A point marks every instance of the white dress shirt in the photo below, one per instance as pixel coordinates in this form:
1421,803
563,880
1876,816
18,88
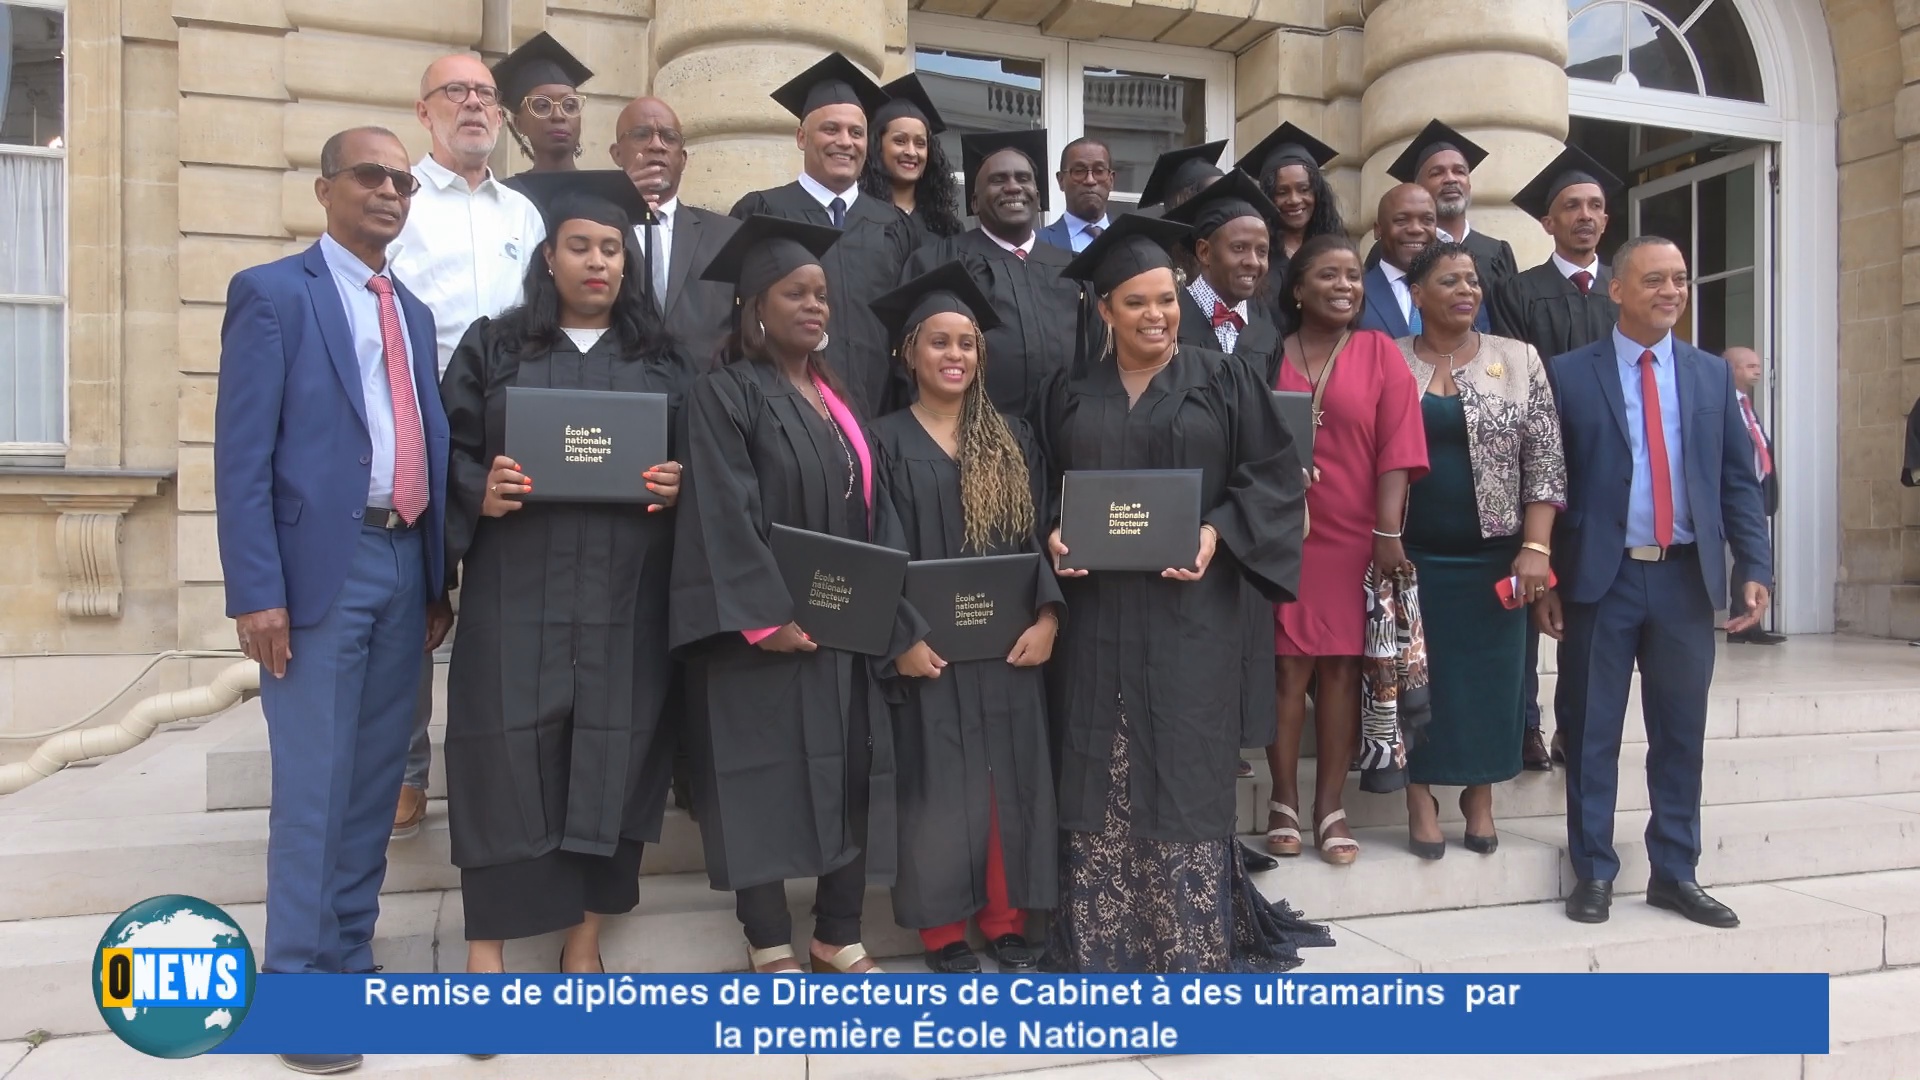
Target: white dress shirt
1024,249
464,252
350,277
826,195
1402,294
1567,269
664,215
1077,229
1448,238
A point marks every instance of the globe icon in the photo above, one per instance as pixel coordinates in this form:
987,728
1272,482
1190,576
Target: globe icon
174,922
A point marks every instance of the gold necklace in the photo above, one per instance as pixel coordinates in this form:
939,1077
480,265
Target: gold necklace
1472,335
924,411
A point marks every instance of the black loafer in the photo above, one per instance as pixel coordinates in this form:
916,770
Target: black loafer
321,1064
1256,861
955,959
1013,954
1689,899
1590,901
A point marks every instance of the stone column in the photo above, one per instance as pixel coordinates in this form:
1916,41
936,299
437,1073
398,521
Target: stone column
1308,72
1494,69
715,61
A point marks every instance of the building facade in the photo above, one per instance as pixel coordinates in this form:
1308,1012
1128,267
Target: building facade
151,148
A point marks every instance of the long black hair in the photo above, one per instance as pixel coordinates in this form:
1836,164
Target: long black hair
1313,248
534,326
1326,208
936,198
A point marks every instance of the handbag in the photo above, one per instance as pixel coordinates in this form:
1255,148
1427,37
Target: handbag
1395,695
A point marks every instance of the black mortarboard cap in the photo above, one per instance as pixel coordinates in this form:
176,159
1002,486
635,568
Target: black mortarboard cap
1130,247
1182,168
947,287
1432,139
1573,166
835,80
976,149
541,61
1284,145
907,97
765,249
554,192
1233,196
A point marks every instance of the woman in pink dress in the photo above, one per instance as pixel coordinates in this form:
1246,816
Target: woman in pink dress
1368,447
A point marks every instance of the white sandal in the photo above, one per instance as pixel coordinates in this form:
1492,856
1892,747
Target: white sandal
1284,840
1338,850
842,962
759,958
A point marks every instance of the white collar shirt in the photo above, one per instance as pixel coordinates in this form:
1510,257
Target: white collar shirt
1567,269
664,216
825,195
1402,294
1022,249
350,277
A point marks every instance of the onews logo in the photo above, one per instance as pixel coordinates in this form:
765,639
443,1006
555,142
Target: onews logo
173,976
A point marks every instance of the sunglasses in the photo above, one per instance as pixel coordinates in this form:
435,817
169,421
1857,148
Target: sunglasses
372,177
544,107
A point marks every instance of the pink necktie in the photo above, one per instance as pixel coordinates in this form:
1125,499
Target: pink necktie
409,444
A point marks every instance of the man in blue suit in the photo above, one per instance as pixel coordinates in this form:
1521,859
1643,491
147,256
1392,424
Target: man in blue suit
1659,474
1086,176
330,455
1405,224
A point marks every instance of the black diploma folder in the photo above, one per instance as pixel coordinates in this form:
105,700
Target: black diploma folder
1296,411
586,445
845,593
977,608
1135,519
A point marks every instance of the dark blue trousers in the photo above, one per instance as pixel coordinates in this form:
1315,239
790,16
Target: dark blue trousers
337,729
1658,616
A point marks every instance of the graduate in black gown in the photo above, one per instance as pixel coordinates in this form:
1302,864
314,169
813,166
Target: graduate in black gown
557,758
792,743
1150,666
1442,160
1041,314
1179,175
832,100
907,165
1230,246
1288,164
978,834
1562,304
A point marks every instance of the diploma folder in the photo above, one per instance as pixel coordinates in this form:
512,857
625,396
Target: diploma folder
590,446
845,593
1296,411
1136,519
977,608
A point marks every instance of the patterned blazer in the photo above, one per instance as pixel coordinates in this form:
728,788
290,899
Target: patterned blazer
1513,430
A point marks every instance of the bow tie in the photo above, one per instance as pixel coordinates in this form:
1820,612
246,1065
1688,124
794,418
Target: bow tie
1223,314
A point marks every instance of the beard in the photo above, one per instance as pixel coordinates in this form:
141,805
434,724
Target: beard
1453,206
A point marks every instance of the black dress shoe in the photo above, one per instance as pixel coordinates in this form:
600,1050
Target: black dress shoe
955,959
1756,636
1689,899
1590,901
1533,752
1256,861
1557,749
1013,954
321,1064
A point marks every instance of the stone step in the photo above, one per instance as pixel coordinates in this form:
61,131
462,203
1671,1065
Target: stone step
1737,770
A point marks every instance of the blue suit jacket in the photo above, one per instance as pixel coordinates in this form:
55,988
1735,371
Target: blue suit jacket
1382,310
1056,234
291,451
1590,536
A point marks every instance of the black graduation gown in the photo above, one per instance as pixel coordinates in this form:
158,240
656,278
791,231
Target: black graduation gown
554,731
1258,343
768,731
1542,308
1174,651
1040,311
862,265
980,727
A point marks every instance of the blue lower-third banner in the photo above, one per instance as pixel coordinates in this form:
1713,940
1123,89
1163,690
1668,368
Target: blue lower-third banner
1242,1014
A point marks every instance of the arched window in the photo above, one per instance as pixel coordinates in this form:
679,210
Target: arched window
1685,46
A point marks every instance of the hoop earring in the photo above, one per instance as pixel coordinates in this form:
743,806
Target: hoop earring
824,341
762,327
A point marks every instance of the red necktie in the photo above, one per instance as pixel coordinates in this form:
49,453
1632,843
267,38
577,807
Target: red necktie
1583,281
1656,453
409,444
1224,314
1759,439
1020,254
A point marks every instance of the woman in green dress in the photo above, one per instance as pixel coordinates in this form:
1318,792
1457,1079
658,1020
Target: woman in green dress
1479,523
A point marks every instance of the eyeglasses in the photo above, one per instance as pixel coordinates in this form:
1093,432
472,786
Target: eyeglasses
372,177
670,138
543,107
1090,172
457,93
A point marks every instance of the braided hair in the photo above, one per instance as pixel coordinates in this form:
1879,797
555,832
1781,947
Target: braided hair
996,503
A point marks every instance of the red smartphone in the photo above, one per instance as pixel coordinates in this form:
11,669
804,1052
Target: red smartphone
1507,586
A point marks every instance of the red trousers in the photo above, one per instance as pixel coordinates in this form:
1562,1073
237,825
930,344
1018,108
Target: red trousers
998,918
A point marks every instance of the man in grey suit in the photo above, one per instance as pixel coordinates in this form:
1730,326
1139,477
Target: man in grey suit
651,148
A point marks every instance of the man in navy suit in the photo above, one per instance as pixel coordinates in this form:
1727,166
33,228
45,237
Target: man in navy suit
330,455
1405,224
1086,176
1659,473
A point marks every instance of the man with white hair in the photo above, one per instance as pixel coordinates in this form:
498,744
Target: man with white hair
464,252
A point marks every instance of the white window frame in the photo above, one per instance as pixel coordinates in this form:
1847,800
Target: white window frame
52,449
1063,63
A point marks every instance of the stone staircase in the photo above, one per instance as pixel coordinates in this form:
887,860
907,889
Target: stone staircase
1811,828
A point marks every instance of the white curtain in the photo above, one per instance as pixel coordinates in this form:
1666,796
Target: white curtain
33,262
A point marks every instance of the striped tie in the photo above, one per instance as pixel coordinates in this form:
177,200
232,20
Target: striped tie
409,443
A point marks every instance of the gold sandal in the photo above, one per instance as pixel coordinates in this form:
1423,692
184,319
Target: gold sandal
842,962
759,958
